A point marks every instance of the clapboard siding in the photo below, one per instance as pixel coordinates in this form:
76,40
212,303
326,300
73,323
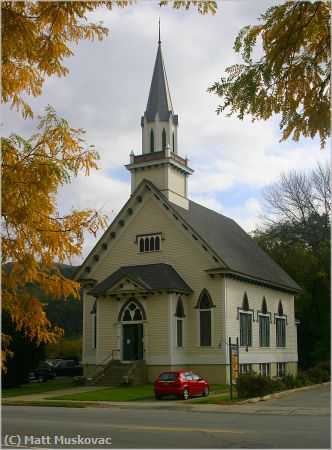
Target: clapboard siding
235,293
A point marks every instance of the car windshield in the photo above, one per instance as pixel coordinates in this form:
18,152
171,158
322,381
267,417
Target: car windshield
168,376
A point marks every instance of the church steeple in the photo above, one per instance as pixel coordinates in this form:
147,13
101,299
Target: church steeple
159,161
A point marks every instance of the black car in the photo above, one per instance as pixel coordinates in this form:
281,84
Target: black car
68,368
45,371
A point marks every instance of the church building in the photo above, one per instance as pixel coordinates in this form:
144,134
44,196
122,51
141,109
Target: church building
170,281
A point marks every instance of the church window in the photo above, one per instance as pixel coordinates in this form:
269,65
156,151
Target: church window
245,323
163,137
173,141
264,326
179,323
280,327
205,319
149,243
132,313
151,141
94,326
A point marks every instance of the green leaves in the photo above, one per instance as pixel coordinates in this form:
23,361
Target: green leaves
292,77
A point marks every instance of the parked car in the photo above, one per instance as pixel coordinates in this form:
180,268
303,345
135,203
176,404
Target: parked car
182,383
44,371
68,368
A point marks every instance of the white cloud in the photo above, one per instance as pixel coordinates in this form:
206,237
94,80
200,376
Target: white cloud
106,93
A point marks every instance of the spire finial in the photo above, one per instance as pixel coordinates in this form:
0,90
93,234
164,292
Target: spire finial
159,41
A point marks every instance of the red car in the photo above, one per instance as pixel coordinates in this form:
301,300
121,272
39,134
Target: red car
182,383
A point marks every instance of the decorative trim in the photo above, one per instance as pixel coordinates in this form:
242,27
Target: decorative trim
249,311
124,306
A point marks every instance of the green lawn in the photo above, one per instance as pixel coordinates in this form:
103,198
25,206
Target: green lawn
36,388
114,394
124,394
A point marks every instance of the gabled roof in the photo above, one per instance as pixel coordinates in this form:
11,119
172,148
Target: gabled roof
159,97
234,246
153,277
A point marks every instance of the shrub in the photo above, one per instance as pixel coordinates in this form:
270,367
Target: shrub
325,365
317,375
254,385
289,382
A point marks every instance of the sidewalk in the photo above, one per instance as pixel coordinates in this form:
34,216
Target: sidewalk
252,406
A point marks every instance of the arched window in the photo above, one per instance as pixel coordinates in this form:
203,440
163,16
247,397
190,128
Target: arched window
264,326
245,302
264,306
157,243
147,245
151,244
245,323
148,242
94,325
205,305
132,313
173,141
163,139
141,245
151,141
280,327
179,323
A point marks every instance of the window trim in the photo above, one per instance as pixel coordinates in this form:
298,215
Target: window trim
261,369
143,242
283,318
259,330
247,313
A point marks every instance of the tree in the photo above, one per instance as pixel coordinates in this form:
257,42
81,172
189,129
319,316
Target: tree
35,41
297,236
292,78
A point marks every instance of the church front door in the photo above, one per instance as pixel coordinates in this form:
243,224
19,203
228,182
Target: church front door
133,342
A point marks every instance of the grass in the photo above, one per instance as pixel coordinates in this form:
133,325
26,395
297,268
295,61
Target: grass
36,388
124,394
113,394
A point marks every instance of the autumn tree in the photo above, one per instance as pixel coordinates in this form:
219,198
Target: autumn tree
36,39
291,78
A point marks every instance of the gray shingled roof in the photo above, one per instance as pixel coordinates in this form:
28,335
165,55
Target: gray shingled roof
233,245
159,96
152,277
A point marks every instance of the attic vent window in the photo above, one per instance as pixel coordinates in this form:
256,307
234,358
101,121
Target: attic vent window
149,242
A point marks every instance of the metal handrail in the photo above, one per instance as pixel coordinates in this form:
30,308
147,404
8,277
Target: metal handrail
103,364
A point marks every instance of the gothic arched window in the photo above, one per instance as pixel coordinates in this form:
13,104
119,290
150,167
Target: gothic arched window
151,141
205,319
163,137
179,323
245,323
280,327
264,326
132,313
94,325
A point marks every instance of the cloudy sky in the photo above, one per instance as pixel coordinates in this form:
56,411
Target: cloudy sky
106,93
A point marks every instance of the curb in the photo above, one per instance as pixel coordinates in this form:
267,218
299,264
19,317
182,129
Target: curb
312,387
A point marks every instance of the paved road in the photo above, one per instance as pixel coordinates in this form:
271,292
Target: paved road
297,421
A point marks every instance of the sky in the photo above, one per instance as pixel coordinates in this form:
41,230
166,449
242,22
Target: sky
106,93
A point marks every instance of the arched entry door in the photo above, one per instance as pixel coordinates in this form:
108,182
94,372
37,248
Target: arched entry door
132,316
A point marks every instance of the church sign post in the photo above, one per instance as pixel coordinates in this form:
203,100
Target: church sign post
234,364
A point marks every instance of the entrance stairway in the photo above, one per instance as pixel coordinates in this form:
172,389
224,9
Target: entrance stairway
113,373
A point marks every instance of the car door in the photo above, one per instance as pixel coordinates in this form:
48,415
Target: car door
197,384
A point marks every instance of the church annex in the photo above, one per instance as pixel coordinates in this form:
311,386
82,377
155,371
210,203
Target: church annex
170,280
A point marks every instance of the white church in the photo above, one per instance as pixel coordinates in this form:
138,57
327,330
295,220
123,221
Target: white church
170,281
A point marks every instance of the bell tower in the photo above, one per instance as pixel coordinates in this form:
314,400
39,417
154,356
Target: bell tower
159,161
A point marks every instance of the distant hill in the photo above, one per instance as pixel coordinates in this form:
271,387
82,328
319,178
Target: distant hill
66,314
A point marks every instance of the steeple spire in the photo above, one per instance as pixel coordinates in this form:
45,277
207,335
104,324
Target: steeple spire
159,97
159,41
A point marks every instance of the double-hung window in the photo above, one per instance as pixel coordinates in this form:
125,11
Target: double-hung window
264,330
280,332
281,369
264,369
245,329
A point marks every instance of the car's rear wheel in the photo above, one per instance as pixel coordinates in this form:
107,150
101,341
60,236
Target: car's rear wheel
185,394
158,396
206,391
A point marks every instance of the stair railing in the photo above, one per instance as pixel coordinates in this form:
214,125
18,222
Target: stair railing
103,366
